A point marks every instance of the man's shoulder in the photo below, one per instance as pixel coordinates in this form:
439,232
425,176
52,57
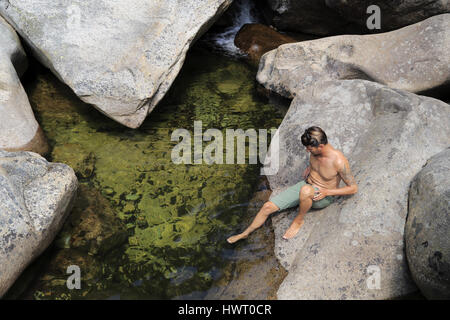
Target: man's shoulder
340,160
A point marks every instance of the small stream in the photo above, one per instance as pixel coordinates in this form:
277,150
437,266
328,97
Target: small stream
143,227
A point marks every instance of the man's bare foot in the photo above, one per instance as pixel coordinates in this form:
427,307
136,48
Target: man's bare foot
237,237
293,229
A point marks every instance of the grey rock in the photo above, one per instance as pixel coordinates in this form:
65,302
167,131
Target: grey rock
35,198
387,136
414,58
331,17
19,129
427,231
119,56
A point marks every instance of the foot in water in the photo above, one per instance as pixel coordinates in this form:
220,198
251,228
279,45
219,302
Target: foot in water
293,230
237,237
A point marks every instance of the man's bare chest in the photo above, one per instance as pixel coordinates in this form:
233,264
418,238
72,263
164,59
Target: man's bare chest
324,168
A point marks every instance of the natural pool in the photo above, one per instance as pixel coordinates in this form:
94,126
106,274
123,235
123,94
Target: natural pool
143,227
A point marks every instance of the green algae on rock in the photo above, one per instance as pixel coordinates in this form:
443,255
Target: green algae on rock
93,225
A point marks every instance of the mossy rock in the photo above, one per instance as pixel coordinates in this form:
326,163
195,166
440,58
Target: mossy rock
93,225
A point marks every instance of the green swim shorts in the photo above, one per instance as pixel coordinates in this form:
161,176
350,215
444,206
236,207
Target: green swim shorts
291,197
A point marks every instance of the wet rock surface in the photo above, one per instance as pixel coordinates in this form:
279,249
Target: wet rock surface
387,135
256,39
427,228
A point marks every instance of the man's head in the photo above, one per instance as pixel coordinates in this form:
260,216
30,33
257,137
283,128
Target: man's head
314,139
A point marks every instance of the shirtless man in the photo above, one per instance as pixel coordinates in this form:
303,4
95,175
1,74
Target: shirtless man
318,189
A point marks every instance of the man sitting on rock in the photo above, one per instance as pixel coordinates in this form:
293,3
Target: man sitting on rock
318,189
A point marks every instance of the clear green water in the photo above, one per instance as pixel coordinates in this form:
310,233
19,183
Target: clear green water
142,226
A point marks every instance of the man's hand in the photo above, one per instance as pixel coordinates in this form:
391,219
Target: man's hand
322,193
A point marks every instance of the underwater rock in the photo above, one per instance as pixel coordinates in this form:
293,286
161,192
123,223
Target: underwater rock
119,56
91,267
255,273
35,199
93,226
19,130
387,136
53,282
428,228
331,17
414,59
75,156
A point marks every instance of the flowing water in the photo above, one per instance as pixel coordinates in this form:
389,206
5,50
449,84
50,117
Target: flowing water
143,227
240,12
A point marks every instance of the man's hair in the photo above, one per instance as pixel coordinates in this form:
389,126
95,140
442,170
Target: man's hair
314,136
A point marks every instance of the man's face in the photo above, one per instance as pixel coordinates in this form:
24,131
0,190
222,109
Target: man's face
315,150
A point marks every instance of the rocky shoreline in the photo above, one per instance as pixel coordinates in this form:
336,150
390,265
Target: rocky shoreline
381,94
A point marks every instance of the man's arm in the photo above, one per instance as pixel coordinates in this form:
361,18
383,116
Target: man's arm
346,175
306,172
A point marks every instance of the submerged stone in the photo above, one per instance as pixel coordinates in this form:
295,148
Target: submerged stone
93,225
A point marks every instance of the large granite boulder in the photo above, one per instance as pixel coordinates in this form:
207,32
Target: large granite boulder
343,250
19,129
414,58
119,56
331,17
35,198
427,231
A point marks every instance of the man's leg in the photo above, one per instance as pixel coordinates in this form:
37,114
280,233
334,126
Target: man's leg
306,200
268,208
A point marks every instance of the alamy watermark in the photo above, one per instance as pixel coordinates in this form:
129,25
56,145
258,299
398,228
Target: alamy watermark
74,280
213,153
73,17
374,21
373,281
